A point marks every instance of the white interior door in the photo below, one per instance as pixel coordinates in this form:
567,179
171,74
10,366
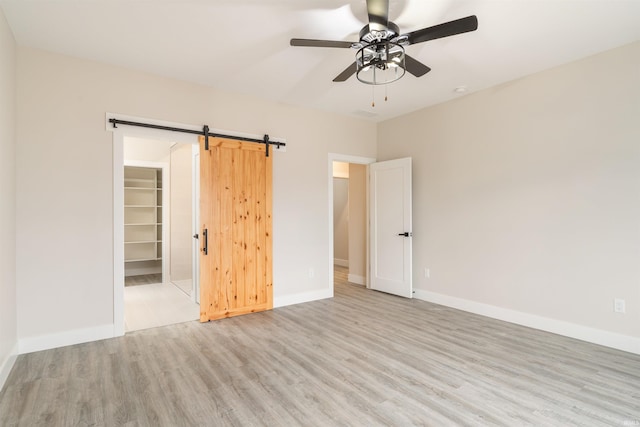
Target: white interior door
390,226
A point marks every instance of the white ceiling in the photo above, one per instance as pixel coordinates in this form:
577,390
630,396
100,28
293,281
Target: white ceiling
243,45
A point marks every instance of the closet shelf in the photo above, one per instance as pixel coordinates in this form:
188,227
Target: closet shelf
142,259
143,218
143,188
148,180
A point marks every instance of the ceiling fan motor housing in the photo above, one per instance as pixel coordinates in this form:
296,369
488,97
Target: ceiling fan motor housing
368,35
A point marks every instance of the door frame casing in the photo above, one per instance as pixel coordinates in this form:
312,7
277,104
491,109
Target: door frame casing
195,222
118,136
337,157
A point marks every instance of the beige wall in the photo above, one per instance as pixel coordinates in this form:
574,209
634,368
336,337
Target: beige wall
147,150
357,222
527,195
349,214
65,172
8,311
341,221
181,225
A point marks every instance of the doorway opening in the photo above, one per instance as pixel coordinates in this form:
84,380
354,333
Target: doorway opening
348,219
172,132
160,275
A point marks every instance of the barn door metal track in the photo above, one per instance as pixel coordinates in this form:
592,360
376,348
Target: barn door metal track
205,132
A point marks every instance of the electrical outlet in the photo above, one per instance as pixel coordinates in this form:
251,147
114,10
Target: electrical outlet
619,305
427,273
311,272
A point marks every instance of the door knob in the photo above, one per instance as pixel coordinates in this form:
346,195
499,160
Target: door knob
405,234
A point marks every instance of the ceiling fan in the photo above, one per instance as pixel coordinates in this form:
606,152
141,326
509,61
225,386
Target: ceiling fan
381,58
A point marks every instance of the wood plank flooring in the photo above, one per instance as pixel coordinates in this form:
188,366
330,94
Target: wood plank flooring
341,275
362,358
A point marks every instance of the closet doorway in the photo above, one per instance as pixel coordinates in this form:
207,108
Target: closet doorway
160,201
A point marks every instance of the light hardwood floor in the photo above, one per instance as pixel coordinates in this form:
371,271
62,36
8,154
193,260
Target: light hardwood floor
362,358
340,275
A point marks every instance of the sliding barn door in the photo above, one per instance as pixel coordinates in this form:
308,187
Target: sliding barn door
235,217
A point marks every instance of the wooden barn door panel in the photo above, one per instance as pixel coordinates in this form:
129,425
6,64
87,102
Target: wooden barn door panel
235,216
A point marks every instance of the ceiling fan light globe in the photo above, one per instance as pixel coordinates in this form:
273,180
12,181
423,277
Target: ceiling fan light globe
380,63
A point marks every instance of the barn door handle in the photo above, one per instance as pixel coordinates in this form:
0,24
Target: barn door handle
405,234
205,246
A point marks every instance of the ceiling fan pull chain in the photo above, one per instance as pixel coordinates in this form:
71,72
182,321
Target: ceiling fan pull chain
373,95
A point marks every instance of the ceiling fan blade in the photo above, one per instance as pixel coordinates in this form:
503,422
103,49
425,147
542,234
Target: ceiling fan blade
320,43
451,28
378,11
348,72
415,67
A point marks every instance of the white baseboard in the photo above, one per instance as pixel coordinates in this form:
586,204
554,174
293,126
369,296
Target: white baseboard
61,339
7,365
560,327
341,262
354,278
302,297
